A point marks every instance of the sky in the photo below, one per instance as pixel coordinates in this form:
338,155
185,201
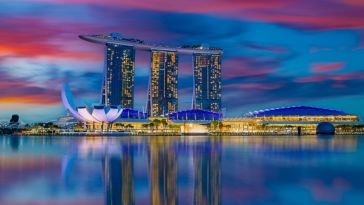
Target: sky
276,52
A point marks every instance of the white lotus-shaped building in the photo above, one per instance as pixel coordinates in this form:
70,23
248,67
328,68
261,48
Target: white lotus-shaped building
97,113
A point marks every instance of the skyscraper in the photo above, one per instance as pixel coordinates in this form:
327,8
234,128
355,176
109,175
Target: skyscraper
163,85
207,81
118,84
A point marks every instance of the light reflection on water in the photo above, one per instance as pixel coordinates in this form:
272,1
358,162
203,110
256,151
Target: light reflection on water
182,170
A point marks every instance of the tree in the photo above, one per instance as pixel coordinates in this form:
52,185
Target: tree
220,126
14,119
129,126
156,122
151,125
164,122
214,124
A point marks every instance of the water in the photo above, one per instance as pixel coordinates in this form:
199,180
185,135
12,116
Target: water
181,170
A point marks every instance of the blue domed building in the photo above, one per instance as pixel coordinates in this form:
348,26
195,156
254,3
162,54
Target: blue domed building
302,113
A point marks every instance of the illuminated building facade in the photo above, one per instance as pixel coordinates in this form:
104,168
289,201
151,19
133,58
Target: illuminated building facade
194,114
302,114
292,120
118,84
163,85
207,81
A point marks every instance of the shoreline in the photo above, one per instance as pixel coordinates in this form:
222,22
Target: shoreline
120,134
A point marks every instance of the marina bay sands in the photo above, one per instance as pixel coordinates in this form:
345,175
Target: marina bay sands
162,98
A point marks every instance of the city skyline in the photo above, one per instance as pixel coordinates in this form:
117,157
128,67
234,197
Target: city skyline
162,94
276,53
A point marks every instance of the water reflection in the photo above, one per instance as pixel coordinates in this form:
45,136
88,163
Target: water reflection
181,170
14,143
207,164
163,168
119,178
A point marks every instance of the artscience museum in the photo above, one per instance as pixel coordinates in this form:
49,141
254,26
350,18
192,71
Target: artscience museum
100,114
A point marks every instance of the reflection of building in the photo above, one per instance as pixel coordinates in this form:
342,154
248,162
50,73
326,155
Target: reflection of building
127,178
163,88
118,85
163,173
119,179
207,81
207,190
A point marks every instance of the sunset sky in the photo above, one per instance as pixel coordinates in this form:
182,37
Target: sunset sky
276,52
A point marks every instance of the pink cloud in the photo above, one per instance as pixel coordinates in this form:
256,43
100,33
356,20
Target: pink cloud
353,2
334,77
25,92
311,79
325,67
196,6
321,14
243,66
36,37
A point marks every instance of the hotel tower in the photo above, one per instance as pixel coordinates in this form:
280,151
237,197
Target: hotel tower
118,82
207,81
163,84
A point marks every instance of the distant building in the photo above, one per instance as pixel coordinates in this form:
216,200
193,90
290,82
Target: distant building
163,85
302,114
292,120
65,121
194,115
118,83
207,81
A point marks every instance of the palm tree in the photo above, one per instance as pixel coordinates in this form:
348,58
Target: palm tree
151,125
145,126
214,124
164,122
220,126
156,122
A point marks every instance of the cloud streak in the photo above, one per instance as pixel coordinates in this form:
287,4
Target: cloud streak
320,14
